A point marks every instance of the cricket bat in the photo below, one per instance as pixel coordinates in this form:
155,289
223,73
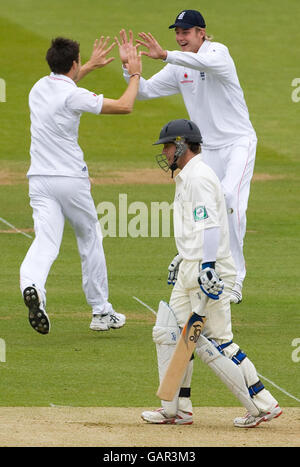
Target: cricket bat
182,353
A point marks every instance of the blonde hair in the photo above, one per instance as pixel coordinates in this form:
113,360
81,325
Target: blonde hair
206,37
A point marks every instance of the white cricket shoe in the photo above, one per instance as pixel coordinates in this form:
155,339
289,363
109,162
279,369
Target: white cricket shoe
236,293
37,315
159,416
249,421
107,321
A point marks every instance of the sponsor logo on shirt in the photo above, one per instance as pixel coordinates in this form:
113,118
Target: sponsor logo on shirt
200,213
202,74
186,80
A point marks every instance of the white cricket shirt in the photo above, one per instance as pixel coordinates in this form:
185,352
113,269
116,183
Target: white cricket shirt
199,204
56,105
210,89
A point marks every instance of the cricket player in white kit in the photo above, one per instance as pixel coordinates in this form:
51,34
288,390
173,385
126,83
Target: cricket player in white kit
204,73
207,267
59,185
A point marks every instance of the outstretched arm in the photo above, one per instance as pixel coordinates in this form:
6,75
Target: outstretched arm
98,57
125,103
163,83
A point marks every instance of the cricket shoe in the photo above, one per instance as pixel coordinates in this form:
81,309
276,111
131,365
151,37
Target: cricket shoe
236,294
107,321
159,416
37,315
249,421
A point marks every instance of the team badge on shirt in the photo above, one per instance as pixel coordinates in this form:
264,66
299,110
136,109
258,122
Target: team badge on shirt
200,213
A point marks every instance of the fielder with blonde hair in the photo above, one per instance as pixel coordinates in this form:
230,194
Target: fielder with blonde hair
204,73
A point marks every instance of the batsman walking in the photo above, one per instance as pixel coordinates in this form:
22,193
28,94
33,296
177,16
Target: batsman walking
204,73
59,186
205,269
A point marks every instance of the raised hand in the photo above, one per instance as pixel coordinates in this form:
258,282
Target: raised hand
134,65
123,44
100,51
154,48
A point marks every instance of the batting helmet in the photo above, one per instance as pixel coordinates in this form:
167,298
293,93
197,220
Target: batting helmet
177,129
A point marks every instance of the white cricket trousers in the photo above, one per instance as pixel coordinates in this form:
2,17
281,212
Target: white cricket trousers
54,199
234,166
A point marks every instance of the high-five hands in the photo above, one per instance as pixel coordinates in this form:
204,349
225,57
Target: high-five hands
98,58
101,49
124,44
154,48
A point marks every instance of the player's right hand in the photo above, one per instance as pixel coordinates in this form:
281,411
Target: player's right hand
134,65
173,269
210,283
124,44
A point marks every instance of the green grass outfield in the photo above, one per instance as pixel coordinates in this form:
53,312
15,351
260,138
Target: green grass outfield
78,367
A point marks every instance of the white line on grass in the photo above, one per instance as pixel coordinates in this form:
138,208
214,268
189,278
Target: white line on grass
278,387
261,376
145,305
60,406
15,228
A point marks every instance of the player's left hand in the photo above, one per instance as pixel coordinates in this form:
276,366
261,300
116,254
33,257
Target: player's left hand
101,49
173,269
154,49
210,283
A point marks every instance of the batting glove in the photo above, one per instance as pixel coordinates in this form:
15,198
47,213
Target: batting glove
210,283
173,269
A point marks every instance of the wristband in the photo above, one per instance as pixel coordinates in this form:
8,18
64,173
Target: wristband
211,264
135,74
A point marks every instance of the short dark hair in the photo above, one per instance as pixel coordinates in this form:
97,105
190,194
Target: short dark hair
194,147
61,55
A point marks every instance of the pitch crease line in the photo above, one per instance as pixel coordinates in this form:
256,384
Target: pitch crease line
15,228
261,376
145,305
278,387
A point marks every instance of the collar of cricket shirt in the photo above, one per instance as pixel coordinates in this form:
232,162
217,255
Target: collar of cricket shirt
204,47
58,77
188,168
